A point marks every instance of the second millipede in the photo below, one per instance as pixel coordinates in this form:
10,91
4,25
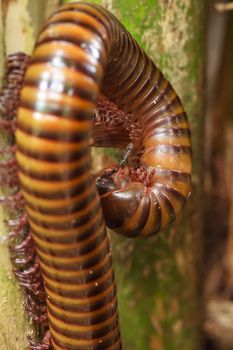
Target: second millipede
86,67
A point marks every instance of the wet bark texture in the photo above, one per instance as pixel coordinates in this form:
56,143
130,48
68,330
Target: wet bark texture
158,279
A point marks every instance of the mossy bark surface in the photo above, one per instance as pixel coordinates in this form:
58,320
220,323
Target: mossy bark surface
158,279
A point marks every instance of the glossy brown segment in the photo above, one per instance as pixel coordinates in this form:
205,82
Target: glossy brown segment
82,52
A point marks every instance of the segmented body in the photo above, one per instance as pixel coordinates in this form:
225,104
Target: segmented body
81,52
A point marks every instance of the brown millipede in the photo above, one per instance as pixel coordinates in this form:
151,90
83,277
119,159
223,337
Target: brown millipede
85,60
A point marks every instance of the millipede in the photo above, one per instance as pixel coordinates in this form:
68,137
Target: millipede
88,83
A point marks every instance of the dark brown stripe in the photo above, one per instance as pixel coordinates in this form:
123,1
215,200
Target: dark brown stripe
105,23
45,107
86,291
71,224
173,175
88,306
110,342
113,75
77,91
64,209
145,204
91,333
127,52
150,96
157,210
176,132
64,62
162,94
77,22
171,192
55,136
173,149
154,111
74,251
87,277
170,120
166,202
54,157
171,133
75,237
149,92
150,79
89,46
68,193
131,81
84,263
84,321
61,176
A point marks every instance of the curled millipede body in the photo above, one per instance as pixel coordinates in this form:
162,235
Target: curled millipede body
83,54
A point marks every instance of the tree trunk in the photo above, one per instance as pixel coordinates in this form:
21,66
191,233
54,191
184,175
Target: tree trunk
158,279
